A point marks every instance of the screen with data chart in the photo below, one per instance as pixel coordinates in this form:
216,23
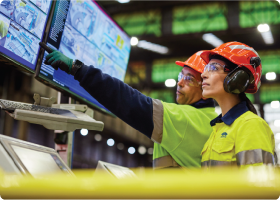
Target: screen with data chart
82,30
22,25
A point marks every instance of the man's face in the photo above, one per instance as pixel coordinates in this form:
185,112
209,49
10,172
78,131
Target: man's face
187,93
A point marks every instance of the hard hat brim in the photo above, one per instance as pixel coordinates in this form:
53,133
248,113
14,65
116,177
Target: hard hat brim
180,63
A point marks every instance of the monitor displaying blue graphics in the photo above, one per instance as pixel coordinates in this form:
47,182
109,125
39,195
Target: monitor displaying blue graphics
22,24
81,30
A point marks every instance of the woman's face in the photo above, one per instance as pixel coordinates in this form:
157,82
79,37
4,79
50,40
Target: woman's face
213,79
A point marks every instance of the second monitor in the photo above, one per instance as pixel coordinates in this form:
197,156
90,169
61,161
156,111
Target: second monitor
82,30
22,27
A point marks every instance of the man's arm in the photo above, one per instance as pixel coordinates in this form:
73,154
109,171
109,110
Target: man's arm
125,102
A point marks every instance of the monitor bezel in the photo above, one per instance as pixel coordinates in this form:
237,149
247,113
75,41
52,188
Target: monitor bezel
8,142
4,59
7,60
61,89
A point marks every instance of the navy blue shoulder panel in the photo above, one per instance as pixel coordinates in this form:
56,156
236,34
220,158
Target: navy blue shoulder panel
127,103
204,103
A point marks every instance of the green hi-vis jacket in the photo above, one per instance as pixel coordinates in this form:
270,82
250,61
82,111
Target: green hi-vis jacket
180,132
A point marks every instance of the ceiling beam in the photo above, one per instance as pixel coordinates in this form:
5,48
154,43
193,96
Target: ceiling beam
233,15
166,21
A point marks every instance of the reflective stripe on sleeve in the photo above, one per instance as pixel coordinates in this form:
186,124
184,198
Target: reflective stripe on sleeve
254,156
158,121
165,161
209,163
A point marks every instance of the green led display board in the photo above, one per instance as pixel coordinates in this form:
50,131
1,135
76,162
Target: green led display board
202,17
269,92
253,13
270,61
164,95
140,23
163,69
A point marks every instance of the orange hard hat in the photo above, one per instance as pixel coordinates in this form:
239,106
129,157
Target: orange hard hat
243,56
195,62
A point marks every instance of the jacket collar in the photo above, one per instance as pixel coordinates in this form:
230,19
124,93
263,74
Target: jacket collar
203,103
231,115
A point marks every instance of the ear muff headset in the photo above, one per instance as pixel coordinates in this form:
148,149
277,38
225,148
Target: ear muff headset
238,80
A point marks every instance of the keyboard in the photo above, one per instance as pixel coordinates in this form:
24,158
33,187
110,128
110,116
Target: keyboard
12,105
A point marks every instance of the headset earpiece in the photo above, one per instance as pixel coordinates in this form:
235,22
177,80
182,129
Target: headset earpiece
236,81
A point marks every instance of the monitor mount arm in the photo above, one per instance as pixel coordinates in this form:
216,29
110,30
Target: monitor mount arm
42,101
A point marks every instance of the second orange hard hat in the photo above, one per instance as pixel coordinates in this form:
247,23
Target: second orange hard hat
195,62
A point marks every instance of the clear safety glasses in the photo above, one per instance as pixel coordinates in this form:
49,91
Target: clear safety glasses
189,80
214,67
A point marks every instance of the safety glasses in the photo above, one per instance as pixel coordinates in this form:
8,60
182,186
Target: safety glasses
214,67
189,80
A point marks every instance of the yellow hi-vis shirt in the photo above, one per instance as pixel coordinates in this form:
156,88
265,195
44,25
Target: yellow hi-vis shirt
240,138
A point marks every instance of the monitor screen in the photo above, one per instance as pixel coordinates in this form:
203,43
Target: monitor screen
115,170
22,25
37,162
120,172
82,30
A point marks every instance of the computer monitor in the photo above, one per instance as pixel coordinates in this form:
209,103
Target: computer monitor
114,170
17,156
82,30
22,26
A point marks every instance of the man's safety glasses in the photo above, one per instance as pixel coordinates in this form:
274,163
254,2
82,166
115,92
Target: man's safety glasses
189,80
